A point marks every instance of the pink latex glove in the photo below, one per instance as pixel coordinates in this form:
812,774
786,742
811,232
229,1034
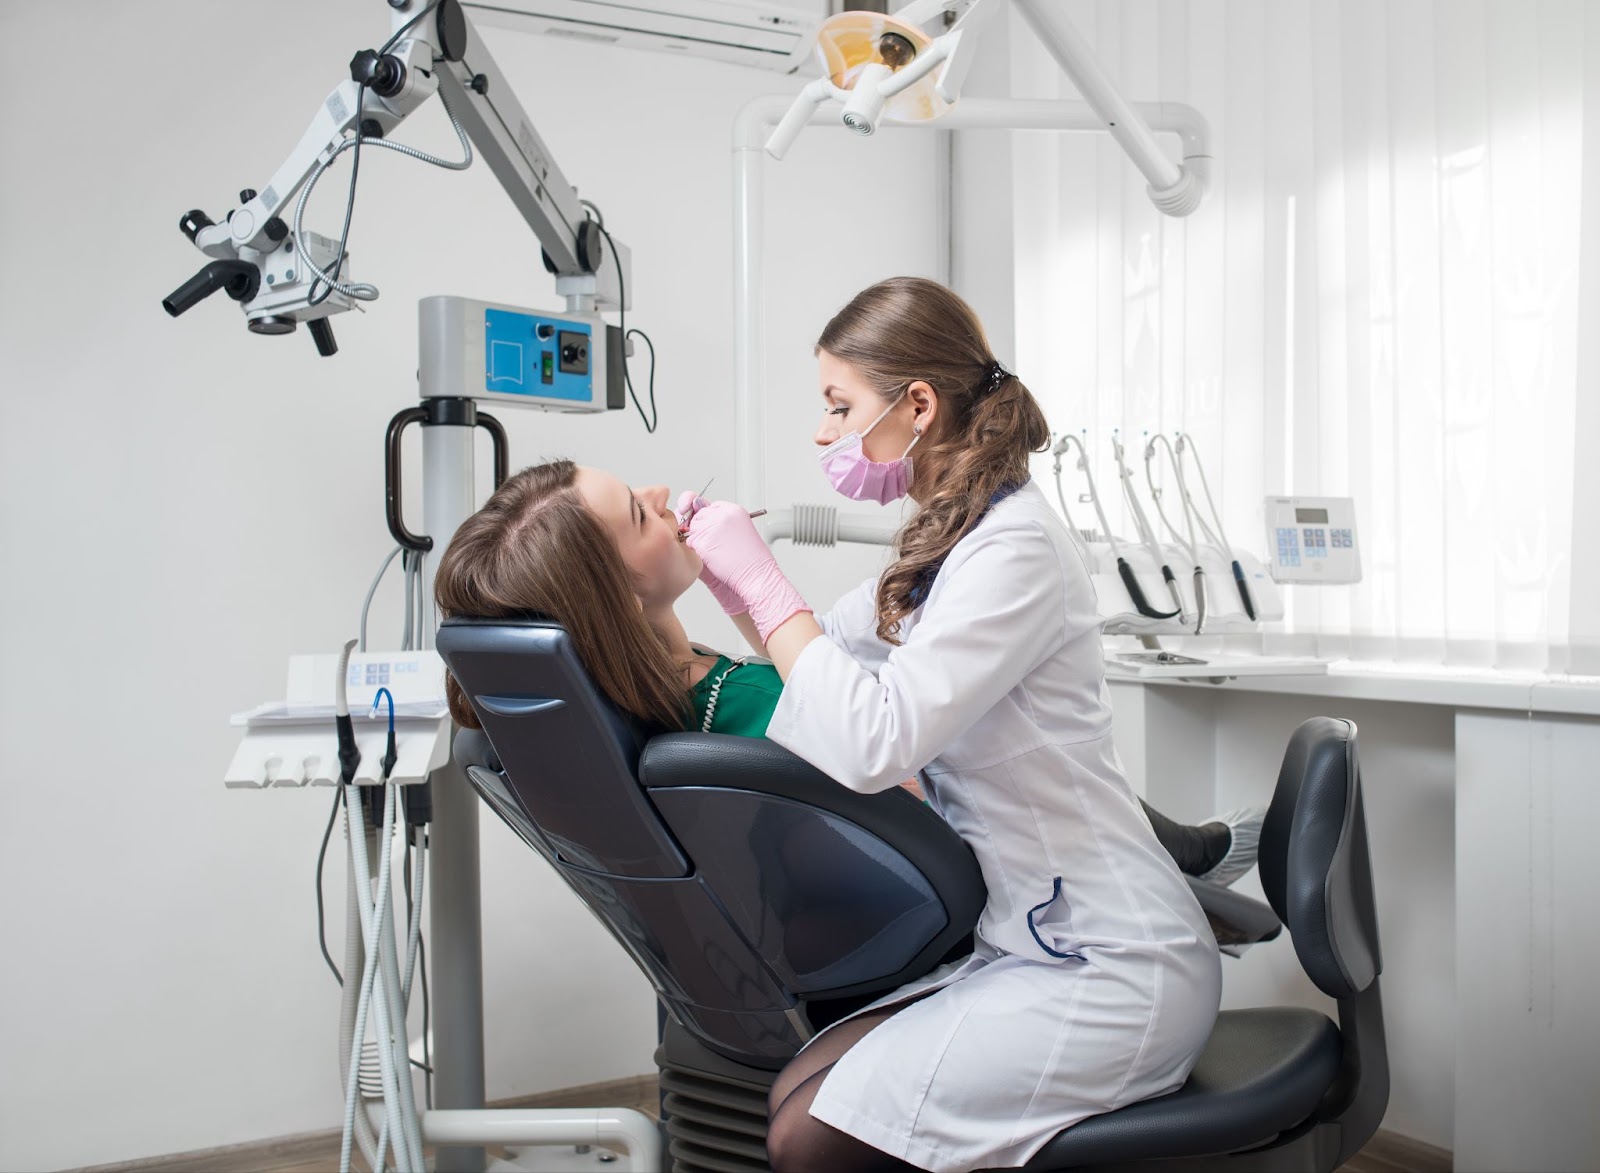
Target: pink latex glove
689,504
732,551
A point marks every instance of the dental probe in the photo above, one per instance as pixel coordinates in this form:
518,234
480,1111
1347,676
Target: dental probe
683,527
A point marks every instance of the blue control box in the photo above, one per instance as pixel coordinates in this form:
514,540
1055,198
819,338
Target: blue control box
538,357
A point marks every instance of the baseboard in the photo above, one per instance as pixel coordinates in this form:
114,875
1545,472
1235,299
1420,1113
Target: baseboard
1391,1150
636,1091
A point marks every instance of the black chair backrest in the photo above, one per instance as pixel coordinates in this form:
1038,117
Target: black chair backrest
761,898
1314,860
575,757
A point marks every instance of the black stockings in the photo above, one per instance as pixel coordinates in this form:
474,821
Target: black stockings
797,1143
1195,849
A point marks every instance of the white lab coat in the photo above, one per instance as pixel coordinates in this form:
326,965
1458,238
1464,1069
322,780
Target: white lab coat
1096,980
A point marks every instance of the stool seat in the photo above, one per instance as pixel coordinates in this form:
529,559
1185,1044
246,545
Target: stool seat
1263,1072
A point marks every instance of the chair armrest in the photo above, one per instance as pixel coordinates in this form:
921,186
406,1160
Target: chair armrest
716,760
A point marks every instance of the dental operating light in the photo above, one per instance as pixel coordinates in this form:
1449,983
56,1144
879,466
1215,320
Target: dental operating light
890,67
881,66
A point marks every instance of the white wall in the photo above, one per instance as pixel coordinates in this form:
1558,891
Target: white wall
183,504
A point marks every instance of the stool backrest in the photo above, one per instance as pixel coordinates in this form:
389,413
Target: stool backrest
1315,865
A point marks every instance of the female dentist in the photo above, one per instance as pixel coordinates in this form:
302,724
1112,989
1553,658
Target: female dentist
975,660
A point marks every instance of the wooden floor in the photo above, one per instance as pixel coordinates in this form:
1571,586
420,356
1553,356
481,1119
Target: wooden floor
318,1152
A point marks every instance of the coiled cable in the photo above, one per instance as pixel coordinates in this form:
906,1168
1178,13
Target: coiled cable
361,290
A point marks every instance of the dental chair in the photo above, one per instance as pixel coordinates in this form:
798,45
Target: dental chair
764,901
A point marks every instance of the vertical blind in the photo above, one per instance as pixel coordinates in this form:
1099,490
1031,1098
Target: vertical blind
1385,296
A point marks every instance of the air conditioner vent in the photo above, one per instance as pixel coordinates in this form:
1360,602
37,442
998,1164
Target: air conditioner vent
767,34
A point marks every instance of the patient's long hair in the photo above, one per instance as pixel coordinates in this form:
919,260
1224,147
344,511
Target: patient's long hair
908,328
536,547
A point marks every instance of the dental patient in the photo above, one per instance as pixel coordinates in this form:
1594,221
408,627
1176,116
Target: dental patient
607,563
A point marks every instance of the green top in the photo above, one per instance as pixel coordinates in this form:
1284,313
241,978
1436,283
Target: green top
744,703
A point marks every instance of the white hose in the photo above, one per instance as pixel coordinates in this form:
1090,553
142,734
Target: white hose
1191,544
1094,494
366,604
401,1100
341,698
1078,539
395,1004
355,830
373,989
1217,536
354,962
1141,523
414,936
1146,531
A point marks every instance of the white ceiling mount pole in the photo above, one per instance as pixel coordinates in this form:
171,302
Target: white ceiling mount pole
1174,190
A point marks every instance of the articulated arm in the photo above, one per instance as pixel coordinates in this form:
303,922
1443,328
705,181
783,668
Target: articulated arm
265,259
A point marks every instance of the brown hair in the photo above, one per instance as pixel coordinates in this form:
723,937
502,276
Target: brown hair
536,547
908,328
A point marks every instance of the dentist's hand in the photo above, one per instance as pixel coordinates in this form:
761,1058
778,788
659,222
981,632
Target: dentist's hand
689,504
734,555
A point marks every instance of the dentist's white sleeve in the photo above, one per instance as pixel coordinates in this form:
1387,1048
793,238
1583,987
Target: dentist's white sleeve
991,619
853,626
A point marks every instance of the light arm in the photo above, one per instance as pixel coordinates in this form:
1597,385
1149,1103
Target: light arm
1175,190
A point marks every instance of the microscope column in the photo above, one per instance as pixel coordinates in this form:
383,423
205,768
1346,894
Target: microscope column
456,928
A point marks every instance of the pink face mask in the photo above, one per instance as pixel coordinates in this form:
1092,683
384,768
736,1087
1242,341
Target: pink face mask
860,479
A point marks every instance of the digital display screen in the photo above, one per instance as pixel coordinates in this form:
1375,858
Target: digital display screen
1311,516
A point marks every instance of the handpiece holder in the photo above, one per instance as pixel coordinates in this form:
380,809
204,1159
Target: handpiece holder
1244,590
1136,593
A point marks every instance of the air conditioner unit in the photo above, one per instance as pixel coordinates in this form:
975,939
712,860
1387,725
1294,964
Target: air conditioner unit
767,34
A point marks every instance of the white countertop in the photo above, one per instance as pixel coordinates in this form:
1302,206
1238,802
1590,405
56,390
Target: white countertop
1454,687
